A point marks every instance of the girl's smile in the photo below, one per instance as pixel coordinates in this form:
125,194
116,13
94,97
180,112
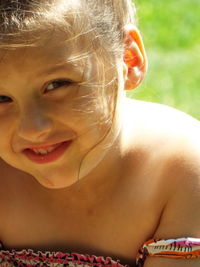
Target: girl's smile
45,101
47,154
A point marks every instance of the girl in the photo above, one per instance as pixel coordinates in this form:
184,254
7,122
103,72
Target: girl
89,177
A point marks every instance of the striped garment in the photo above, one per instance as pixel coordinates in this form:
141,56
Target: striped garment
181,248
184,248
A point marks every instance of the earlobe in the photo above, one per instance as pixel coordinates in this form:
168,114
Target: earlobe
135,61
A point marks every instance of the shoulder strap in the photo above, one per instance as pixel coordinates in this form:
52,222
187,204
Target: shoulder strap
180,248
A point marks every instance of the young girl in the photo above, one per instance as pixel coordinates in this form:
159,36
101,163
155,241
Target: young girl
89,177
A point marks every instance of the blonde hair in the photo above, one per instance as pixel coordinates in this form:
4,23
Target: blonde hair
98,24
104,19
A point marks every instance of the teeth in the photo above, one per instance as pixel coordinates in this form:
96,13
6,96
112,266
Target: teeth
40,151
44,151
50,149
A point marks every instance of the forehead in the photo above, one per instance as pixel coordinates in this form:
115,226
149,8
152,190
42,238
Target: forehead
56,32
53,52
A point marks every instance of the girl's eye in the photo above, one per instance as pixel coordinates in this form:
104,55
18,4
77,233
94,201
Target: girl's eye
4,99
56,84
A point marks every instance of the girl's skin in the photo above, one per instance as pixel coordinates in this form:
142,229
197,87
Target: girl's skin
145,184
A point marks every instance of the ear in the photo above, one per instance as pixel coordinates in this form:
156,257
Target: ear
135,60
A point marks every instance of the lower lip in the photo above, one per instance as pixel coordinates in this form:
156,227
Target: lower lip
49,157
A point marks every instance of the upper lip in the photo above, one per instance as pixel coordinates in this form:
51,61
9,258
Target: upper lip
44,146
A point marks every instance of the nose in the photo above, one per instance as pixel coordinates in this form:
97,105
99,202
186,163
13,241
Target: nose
34,125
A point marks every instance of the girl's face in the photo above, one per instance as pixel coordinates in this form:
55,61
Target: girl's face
46,100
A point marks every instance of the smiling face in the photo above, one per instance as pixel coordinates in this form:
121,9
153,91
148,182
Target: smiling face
46,99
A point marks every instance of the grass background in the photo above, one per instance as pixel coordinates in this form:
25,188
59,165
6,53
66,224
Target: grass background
171,34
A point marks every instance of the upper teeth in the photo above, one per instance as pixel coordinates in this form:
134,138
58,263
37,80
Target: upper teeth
44,151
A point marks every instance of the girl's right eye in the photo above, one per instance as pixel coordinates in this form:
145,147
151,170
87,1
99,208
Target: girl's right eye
4,99
58,84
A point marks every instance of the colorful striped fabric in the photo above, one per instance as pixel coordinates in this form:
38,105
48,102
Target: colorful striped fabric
183,248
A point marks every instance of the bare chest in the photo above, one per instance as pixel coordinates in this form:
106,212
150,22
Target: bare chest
114,226
97,232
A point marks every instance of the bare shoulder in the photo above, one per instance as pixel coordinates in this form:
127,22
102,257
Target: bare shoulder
166,134
172,144
173,138
159,118
172,130
162,127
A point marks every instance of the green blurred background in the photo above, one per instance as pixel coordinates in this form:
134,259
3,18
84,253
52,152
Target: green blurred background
171,34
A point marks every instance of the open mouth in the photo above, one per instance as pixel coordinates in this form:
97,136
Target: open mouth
43,151
46,155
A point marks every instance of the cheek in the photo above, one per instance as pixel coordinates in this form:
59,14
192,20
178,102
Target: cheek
82,108
85,116
7,121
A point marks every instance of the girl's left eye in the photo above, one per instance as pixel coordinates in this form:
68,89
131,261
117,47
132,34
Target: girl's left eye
58,83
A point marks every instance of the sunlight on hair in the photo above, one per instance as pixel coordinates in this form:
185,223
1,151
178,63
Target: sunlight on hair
59,8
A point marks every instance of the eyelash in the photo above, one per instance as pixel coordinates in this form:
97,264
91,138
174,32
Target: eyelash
4,97
60,82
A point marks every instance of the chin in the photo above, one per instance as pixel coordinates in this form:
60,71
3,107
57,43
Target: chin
57,178
52,183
